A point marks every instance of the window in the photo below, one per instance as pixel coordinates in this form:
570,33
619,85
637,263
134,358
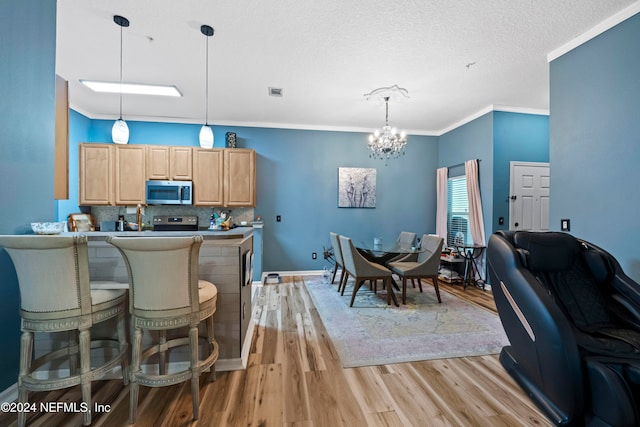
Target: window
458,211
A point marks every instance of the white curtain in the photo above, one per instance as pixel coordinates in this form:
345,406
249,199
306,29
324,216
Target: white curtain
476,222
441,205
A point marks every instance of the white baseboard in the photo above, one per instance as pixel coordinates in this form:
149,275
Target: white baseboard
291,273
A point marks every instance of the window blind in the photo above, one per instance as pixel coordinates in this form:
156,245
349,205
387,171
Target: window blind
457,210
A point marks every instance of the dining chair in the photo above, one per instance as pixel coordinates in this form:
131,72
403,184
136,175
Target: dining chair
56,296
166,295
406,239
425,266
362,269
337,252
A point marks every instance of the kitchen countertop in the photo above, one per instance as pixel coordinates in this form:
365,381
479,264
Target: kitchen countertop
234,233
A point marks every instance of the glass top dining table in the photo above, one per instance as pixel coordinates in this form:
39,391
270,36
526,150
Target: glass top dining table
381,249
377,251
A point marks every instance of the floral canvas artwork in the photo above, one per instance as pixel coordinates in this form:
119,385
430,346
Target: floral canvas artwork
356,188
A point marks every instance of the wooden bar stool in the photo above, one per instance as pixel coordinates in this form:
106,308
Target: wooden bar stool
55,296
167,295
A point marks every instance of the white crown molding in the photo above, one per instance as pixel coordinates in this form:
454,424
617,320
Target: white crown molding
521,110
490,108
291,126
466,120
605,25
487,109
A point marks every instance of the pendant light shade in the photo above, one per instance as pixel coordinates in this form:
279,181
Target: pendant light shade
206,133
206,136
120,130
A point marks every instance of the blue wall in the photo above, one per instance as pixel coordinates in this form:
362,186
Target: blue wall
473,140
594,145
27,116
516,137
297,178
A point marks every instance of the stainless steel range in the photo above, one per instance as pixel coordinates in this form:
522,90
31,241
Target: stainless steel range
175,223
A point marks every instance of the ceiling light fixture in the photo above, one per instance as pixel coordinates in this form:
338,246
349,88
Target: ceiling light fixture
387,144
120,130
206,133
132,88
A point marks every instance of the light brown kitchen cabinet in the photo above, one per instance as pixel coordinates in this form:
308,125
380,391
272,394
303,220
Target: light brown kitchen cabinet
180,163
169,163
239,177
95,183
208,169
61,147
157,162
116,174
129,174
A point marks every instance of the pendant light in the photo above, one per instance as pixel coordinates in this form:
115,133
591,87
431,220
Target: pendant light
206,133
120,130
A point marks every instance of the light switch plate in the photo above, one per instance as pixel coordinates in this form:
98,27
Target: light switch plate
565,224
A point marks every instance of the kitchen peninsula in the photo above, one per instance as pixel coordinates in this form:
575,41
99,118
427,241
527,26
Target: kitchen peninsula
225,259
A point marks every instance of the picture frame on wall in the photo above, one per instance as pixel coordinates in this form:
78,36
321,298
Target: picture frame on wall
356,187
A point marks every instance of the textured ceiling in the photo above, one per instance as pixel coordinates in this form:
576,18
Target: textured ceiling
455,58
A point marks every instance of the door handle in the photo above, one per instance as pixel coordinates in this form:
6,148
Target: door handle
513,197
516,224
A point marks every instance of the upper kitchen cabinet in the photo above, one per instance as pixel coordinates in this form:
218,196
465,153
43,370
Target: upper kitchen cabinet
95,184
157,162
180,163
239,177
129,174
169,163
208,168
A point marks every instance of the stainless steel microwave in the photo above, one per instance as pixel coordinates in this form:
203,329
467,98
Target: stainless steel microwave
169,192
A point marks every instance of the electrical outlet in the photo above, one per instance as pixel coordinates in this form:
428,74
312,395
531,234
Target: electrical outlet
314,255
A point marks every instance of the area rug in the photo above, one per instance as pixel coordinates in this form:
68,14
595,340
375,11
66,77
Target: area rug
373,333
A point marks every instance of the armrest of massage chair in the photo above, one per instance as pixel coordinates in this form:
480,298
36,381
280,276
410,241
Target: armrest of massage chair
543,356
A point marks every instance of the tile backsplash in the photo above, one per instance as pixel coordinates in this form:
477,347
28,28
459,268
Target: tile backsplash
111,213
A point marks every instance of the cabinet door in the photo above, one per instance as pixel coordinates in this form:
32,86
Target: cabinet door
61,147
208,177
239,177
157,162
95,174
130,174
180,163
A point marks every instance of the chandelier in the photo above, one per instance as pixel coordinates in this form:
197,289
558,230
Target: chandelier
388,143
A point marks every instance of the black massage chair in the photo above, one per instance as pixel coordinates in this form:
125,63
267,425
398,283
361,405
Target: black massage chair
573,321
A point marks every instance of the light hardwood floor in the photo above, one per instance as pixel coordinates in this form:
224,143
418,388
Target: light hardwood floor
294,378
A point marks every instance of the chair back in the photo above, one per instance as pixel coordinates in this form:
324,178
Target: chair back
347,249
430,255
163,274
53,275
406,239
337,250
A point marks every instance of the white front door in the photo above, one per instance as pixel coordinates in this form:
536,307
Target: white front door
529,196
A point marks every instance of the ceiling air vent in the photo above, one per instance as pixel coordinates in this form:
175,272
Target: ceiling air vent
275,91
